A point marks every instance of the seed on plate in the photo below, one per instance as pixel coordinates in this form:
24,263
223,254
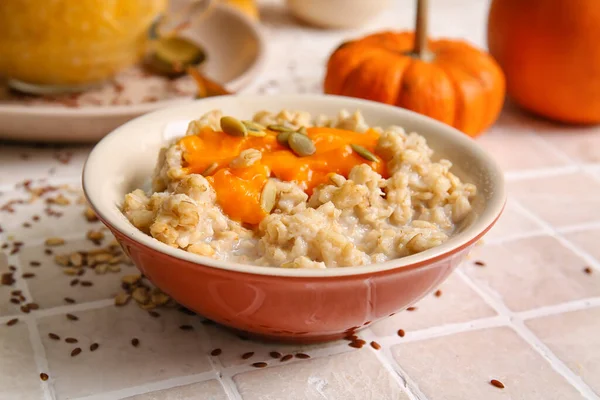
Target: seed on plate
401,332
497,383
363,152
54,241
287,357
122,298
210,169
94,346
279,128
375,345
71,340
302,356
186,327
216,352
233,127
53,336
282,138
75,351
72,317
12,321
301,145
275,354
135,342
259,364
268,196
247,355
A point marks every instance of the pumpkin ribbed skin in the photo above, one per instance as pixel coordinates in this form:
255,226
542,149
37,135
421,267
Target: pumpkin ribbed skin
550,53
461,85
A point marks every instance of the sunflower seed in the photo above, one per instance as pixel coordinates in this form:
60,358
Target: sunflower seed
268,196
301,145
233,127
363,152
210,169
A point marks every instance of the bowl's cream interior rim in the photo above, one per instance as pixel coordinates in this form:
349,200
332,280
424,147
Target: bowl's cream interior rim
134,147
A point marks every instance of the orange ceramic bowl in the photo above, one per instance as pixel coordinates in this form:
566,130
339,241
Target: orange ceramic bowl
298,305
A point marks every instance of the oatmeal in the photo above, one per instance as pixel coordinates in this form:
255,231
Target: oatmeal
295,191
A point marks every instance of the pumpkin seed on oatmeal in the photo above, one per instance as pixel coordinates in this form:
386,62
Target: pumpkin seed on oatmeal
292,191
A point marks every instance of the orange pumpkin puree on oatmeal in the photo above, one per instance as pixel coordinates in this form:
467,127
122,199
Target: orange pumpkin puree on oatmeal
238,185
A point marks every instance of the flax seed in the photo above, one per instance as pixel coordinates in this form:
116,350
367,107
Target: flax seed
74,282
186,328
69,300
33,306
86,283
411,309
12,321
287,357
375,345
53,336
48,252
401,332
135,342
275,354
356,345
25,309
153,314
497,383
72,317
216,352
587,270
28,275
438,293
35,263
7,278
75,351
44,376
247,355
71,340
479,263
15,301
302,356
259,364
94,346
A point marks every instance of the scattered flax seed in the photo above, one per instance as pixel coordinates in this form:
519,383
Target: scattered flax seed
48,252
26,225
53,336
7,278
35,218
375,345
54,241
302,356
186,328
69,300
401,332
153,314
35,263
247,355
411,309
15,301
72,317
438,293
497,383
479,263
216,352
86,283
355,344
94,346
33,306
587,270
71,340
12,268
135,342
15,293
44,376
75,351
25,309
28,275
287,357
275,354
259,364
12,321
74,282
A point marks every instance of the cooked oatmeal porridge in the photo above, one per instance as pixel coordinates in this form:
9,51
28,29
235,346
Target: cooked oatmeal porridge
289,190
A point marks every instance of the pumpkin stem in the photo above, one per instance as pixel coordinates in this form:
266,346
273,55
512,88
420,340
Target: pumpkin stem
420,48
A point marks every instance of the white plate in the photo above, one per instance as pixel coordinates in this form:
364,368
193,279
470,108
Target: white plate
236,50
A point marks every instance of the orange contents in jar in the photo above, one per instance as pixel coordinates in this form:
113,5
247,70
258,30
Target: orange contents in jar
239,189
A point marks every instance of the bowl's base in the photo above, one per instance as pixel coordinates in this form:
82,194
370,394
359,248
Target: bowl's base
295,339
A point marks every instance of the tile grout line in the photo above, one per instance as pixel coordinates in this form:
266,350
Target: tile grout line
35,340
561,308
540,172
518,326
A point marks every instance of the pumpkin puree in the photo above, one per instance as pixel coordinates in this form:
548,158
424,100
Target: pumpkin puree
238,189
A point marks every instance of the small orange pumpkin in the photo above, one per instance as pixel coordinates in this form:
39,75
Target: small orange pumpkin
452,81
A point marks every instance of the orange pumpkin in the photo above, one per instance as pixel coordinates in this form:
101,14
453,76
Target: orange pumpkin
452,82
550,53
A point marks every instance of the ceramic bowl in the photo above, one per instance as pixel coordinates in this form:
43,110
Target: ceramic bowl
337,14
300,305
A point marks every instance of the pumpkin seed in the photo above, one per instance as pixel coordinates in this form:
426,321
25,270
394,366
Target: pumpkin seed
268,196
302,130
210,169
254,129
279,128
282,138
363,152
301,145
233,127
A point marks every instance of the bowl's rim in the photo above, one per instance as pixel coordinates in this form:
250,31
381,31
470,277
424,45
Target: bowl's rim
233,85
466,238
